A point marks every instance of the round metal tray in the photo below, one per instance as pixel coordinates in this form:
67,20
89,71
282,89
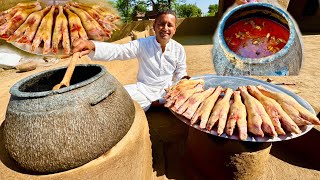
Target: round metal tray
234,82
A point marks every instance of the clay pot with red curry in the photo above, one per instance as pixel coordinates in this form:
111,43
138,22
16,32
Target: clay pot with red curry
257,39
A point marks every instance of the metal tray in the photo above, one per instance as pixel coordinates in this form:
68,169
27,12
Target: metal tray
234,82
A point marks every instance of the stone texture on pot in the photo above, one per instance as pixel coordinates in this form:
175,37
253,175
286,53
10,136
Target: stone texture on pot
119,162
287,61
51,131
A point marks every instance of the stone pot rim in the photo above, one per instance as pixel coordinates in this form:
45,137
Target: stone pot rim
14,90
262,60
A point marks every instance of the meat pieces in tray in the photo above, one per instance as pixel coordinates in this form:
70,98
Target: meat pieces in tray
55,27
249,109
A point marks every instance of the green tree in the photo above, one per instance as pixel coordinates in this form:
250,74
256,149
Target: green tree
158,5
129,8
189,10
213,9
140,7
125,8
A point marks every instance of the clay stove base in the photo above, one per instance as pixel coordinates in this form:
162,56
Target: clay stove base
211,157
131,158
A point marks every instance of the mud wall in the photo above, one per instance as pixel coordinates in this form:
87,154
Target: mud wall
197,26
185,27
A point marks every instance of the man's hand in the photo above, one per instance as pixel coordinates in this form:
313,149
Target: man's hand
82,46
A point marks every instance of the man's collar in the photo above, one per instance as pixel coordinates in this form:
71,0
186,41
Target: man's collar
168,45
156,42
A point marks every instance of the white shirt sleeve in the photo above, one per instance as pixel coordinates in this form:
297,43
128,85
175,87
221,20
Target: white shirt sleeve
110,51
181,68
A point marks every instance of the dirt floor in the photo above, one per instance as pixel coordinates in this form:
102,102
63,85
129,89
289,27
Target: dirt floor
295,159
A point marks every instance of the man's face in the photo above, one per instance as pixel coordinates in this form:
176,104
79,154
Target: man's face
165,28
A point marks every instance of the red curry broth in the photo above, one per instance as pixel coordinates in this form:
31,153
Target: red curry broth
256,37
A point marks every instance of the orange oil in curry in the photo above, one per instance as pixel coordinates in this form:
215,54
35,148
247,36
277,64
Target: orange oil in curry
256,37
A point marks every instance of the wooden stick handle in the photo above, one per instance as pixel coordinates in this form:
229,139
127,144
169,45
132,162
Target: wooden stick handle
67,76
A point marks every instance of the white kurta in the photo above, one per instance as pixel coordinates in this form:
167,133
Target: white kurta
157,70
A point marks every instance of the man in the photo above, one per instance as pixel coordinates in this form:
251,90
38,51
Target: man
161,59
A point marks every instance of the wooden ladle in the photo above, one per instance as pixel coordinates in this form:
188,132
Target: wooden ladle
67,76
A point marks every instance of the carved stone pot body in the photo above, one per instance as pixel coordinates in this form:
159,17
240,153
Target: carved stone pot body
50,131
287,61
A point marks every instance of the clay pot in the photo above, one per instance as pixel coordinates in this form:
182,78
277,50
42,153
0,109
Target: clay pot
51,131
287,61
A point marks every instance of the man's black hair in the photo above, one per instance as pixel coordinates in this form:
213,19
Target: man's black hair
167,11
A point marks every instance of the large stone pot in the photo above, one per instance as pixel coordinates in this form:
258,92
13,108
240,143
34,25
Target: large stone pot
287,61
51,131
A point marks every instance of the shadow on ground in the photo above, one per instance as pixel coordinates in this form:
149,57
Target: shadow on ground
302,151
